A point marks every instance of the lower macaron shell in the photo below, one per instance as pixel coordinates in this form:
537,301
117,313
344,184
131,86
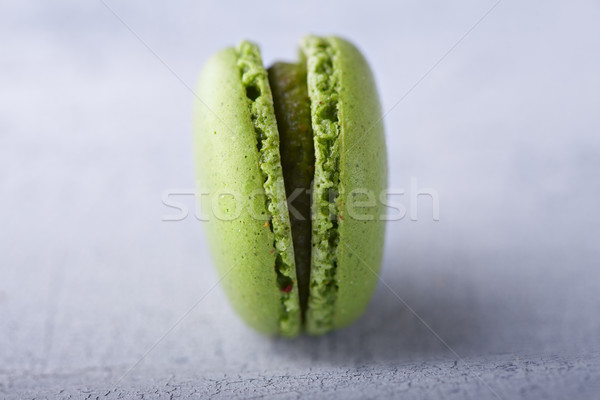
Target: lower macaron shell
363,179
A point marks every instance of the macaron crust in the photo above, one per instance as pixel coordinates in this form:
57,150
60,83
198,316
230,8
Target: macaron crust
291,166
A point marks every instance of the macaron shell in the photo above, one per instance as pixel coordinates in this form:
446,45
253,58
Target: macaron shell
363,168
227,162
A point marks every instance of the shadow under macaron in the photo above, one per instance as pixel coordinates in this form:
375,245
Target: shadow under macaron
416,313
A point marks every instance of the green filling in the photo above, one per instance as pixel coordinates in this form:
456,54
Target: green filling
260,103
323,89
292,110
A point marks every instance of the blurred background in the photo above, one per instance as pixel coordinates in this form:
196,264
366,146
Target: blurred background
494,105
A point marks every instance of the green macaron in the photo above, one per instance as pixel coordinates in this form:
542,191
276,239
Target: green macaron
291,167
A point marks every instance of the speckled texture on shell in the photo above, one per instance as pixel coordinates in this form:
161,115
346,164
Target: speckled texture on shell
260,103
239,231
350,168
363,171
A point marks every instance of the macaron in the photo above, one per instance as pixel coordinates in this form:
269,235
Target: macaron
291,174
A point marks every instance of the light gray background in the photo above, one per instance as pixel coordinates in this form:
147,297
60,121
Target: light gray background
94,129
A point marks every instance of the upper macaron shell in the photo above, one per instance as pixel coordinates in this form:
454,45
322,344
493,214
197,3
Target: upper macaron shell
230,184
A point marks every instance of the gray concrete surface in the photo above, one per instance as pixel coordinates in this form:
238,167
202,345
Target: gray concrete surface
500,298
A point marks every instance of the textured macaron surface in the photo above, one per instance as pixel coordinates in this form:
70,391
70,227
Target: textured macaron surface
350,164
284,273
260,104
323,81
362,183
238,165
